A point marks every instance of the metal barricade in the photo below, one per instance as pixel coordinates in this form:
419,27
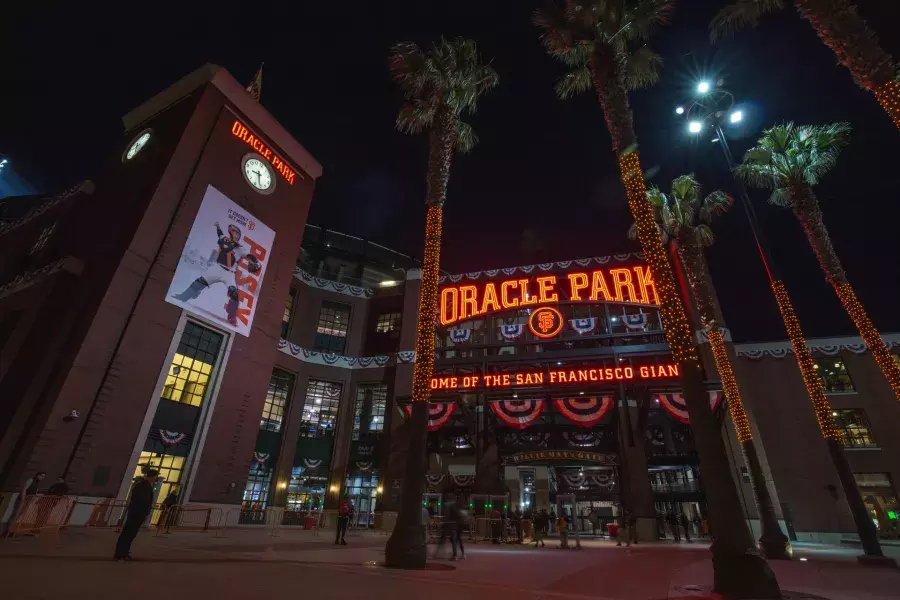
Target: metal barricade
188,518
41,513
107,513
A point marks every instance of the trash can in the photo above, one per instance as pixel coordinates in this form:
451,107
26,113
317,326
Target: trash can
613,530
309,522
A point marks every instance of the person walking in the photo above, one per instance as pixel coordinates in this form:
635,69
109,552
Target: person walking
29,488
673,523
496,524
537,528
345,511
139,506
169,513
562,526
621,524
631,522
459,518
686,525
517,522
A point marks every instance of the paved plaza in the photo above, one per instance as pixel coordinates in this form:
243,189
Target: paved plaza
253,564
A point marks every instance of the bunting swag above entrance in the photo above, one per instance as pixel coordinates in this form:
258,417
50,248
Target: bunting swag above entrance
438,414
674,405
518,414
584,412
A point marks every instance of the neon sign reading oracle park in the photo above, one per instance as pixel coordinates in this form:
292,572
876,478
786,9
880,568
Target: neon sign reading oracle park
633,285
554,377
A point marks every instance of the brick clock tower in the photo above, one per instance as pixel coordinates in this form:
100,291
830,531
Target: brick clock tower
143,330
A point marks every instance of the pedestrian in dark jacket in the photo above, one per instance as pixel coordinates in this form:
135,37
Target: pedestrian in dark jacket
139,506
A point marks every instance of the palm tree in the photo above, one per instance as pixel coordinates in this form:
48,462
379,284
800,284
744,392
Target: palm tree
840,27
439,86
791,159
684,218
602,42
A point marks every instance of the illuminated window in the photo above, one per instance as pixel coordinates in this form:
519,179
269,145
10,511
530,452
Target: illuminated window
362,490
371,399
280,386
256,492
306,490
191,368
834,374
288,311
854,428
334,322
388,322
170,469
320,409
42,239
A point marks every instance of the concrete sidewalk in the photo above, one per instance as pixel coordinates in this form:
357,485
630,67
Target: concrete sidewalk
251,563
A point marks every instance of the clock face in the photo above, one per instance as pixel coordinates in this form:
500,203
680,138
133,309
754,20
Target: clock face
138,144
258,174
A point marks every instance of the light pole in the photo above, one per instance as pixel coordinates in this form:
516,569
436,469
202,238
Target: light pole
713,107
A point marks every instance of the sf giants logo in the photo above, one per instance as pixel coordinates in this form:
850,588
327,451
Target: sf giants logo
545,322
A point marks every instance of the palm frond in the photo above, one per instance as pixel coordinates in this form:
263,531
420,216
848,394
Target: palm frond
466,138
574,82
704,235
447,79
780,197
641,18
740,15
642,69
715,204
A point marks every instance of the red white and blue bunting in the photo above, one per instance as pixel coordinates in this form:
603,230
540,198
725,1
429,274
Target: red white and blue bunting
518,414
170,438
344,362
582,439
364,466
584,326
438,414
561,265
312,463
461,335
827,346
675,405
635,322
261,457
462,480
603,480
511,333
332,286
584,412
434,480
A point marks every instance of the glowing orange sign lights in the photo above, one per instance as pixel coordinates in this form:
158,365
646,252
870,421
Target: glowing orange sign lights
545,322
554,377
239,130
632,284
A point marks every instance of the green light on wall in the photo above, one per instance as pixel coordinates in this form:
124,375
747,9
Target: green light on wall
892,514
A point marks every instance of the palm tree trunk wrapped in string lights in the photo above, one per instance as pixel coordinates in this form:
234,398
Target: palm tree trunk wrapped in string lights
439,86
840,26
684,217
602,44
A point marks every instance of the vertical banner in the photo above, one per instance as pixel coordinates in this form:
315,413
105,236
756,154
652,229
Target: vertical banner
220,273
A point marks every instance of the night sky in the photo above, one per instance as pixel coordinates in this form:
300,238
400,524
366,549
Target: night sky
543,183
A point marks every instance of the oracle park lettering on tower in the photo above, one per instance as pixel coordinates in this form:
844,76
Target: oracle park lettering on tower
630,285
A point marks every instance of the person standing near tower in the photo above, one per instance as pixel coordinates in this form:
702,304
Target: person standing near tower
139,507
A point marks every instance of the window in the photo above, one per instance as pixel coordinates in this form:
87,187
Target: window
331,333
362,490
42,239
854,428
191,368
834,374
306,490
288,311
387,322
277,397
371,399
256,492
170,469
320,409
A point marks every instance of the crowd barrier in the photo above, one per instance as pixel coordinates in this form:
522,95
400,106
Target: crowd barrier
187,518
41,513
